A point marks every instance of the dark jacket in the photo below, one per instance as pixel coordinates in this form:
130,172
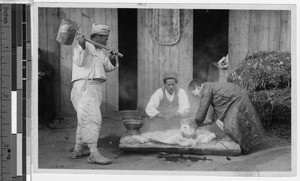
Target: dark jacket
233,107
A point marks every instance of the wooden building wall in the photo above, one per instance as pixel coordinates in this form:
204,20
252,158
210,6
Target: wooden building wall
60,56
154,59
251,31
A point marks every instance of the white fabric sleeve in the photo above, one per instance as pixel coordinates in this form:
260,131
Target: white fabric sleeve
80,55
184,104
108,66
151,108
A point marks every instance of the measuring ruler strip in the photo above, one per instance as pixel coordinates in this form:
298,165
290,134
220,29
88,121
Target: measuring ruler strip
1,92
26,58
6,58
18,85
14,24
14,95
1,171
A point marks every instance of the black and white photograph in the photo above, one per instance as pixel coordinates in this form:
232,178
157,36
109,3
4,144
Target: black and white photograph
164,89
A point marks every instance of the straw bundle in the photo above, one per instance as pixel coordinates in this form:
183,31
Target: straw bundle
272,105
263,71
267,78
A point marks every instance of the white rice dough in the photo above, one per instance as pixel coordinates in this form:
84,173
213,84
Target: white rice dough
172,137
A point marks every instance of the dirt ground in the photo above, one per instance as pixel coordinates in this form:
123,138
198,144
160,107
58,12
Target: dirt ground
272,155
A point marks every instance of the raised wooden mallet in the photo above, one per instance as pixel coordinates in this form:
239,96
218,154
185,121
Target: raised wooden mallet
68,30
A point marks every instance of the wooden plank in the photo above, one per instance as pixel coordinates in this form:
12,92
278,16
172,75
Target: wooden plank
142,58
65,69
232,38
107,22
159,74
167,58
162,50
76,16
254,32
42,28
104,89
243,38
53,51
163,64
83,23
185,46
151,54
146,58
67,63
274,31
174,53
112,77
167,48
285,36
68,51
99,15
263,33
215,147
86,21
115,32
221,145
289,31
174,57
162,59
99,18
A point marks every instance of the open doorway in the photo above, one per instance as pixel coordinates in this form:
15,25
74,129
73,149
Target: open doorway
210,42
127,29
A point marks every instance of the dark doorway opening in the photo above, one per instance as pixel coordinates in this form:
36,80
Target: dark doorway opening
127,29
210,42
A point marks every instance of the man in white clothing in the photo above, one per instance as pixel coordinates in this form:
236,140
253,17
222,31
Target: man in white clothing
88,73
167,105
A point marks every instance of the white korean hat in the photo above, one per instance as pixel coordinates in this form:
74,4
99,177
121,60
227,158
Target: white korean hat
100,29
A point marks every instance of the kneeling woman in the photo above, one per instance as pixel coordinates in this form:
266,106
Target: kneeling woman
233,107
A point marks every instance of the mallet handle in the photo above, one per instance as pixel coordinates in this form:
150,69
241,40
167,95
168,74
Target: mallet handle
102,46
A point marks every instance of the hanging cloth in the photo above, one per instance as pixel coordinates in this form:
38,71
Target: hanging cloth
166,26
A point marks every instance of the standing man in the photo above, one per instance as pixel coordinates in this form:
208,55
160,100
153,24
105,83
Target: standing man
167,105
233,107
88,75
